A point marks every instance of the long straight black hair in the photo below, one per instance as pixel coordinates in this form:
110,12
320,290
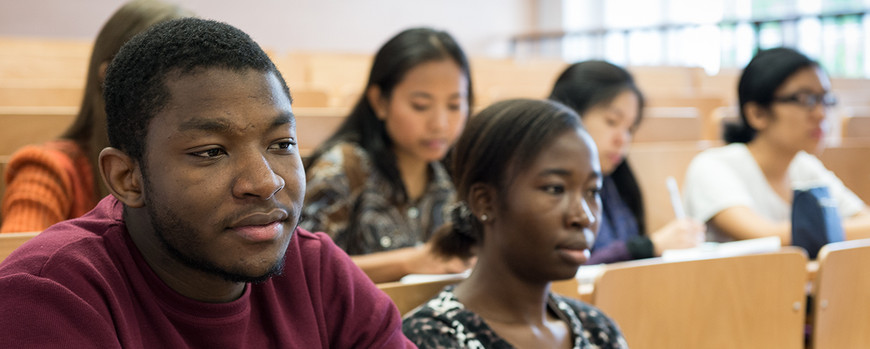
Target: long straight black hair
585,85
396,57
765,73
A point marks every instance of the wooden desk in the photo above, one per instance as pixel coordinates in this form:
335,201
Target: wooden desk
583,290
745,301
408,296
10,241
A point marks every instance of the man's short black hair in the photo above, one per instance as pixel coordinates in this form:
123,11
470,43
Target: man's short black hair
135,86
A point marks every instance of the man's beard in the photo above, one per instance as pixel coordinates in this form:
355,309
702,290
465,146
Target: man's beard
185,247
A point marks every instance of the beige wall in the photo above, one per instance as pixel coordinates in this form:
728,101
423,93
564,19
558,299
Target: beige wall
483,27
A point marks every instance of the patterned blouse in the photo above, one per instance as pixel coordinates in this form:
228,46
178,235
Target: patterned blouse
347,198
443,323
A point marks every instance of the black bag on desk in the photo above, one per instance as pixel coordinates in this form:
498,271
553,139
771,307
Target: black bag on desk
815,221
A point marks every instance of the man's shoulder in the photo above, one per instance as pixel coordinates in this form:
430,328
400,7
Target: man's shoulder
309,239
67,245
312,247
64,245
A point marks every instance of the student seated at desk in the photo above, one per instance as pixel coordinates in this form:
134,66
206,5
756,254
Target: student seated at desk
527,179
744,190
59,180
611,107
198,245
377,186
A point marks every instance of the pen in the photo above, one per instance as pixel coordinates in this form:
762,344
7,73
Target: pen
676,202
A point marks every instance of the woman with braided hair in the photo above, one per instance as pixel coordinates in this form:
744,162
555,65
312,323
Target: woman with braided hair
528,179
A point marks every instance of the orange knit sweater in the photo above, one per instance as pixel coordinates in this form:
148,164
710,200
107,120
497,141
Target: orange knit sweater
45,185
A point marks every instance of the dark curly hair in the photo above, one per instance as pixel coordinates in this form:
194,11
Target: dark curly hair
135,86
497,145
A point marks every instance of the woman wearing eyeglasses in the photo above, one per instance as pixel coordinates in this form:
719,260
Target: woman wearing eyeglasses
744,190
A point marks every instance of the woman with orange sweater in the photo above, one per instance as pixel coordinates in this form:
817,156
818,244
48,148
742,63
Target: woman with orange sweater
54,181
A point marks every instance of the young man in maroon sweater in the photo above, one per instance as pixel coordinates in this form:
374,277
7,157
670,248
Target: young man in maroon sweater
198,244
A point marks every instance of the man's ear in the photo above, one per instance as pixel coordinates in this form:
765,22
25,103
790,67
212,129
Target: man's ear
757,116
482,200
101,73
122,176
377,101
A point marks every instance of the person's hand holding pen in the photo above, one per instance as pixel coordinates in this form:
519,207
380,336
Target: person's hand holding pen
682,232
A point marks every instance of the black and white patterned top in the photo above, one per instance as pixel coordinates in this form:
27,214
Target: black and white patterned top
443,322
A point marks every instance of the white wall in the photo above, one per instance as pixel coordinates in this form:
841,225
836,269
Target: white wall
483,27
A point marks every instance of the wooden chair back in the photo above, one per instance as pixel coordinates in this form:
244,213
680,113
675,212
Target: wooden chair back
749,301
652,164
34,95
842,296
669,124
705,106
847,162
315,125
674,81
310,97
721,85
857,126
10,241
851,91
496,79
29,125
336,72
722,116
408,296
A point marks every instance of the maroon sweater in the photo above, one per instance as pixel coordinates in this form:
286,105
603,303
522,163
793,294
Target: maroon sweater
83,283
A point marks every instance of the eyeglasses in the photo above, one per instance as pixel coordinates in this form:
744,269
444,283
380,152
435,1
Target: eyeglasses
808,100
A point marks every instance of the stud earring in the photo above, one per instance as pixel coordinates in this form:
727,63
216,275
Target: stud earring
483,217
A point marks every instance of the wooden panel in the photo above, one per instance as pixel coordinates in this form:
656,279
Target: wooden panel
42,58
670,81
338,73
44,47
43,67
10,241
33,95
849,162
315,125
307,97
4,161
751,301
721,85
841,296
23,126
409,296
499,93
665,124
722,116
499,79
652,164
292,68
706,107
857,125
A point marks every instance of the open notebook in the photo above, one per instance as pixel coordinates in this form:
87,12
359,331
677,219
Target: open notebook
725,249
417,278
